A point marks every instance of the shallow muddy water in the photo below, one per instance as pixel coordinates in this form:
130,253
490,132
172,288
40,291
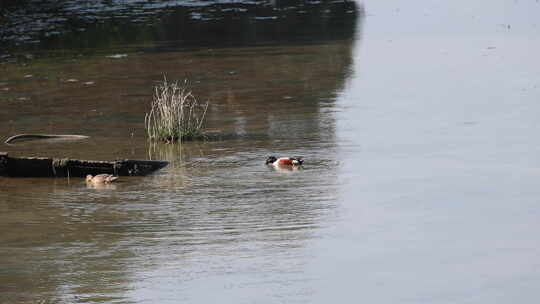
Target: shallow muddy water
418,125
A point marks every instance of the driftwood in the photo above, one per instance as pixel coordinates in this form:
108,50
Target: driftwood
64,167
43,136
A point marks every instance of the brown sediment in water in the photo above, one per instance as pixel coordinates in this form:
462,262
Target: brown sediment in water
64,241
270,84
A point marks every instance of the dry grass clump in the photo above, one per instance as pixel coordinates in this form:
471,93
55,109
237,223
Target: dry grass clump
175,114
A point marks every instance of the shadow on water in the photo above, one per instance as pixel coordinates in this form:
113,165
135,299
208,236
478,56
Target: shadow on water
271,71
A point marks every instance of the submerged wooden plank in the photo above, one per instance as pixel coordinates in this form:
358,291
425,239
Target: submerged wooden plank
63,167
3,163
29,167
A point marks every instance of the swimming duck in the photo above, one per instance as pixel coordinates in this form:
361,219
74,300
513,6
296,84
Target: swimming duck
101,179
284,161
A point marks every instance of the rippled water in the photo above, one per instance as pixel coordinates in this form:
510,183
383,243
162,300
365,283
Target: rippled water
418,124
217,211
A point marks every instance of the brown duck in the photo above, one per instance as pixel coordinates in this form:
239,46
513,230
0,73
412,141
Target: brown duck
101,179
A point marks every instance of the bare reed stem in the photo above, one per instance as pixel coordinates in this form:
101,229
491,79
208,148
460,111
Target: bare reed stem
175,114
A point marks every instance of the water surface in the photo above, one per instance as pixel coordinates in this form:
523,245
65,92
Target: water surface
417,123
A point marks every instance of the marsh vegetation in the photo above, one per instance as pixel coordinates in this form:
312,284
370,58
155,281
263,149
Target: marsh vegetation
175,113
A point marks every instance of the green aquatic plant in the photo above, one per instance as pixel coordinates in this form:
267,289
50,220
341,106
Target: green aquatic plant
175,113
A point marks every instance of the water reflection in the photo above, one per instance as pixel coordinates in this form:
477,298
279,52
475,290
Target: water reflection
164,24
217,209
276,94
286,169
101,186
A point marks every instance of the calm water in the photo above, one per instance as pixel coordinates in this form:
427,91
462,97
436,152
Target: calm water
418,124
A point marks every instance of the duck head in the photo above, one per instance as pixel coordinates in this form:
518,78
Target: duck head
271,160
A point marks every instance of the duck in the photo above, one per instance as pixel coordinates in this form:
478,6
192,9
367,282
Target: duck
284,161
101,179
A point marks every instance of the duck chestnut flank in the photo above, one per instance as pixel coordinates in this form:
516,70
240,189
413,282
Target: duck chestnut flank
284,161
